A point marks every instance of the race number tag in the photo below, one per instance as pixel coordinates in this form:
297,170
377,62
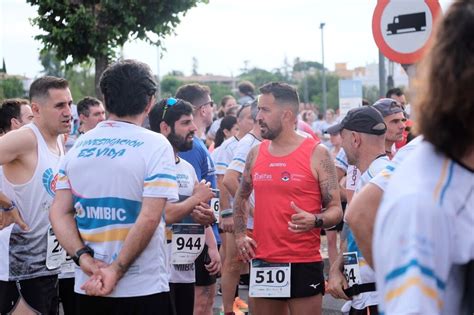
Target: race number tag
187,243
351,268
270,280
55,255
215,205
68,265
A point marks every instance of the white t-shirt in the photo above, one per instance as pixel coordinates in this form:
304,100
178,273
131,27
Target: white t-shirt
186,178
224,154
367,274
424,231
214,127
109,170
238,164
241,152
382,179
353,173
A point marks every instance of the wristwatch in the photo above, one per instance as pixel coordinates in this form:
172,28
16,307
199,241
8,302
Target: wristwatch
79,253
13,206
318,222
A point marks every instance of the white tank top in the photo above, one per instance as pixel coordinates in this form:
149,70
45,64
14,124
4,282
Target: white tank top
27,250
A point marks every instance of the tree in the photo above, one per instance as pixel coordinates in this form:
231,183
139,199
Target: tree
371,93
218,91
169,84
306,65
259,76
81,30
315,92
51,64
80,77
11,87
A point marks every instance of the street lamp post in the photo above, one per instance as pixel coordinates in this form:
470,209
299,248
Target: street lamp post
325,101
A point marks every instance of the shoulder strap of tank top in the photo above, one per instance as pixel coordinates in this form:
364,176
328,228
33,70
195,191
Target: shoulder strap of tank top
37,132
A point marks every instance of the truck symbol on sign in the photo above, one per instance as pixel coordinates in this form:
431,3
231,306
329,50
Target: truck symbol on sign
407,22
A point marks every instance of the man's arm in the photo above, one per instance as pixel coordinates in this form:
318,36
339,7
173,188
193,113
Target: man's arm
175,212
231,181
323,166
64,225
105,280
241,208
14,147
337,282
226,222
15,144
360,216
214,265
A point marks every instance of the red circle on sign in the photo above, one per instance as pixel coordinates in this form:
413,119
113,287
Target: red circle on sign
390,53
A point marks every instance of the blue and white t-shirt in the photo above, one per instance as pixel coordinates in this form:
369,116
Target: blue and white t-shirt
424,234
224,154
109,171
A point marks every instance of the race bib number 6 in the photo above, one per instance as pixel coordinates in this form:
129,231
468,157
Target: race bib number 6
187,243
215,206
270,279
55,254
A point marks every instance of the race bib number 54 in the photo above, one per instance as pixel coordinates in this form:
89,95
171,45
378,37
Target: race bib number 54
351,268
270,279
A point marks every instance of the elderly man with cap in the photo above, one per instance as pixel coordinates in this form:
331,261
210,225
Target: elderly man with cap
363,139
394,118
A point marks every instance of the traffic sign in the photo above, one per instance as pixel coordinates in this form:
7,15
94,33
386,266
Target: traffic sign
402,29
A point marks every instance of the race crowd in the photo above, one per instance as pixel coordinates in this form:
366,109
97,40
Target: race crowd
135,205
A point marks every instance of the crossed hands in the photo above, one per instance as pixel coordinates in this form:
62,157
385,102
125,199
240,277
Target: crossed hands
103,277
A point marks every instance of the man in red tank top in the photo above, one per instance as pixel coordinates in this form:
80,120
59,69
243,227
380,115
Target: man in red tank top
288,173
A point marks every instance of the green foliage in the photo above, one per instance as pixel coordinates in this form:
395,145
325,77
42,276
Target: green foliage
11,88
371,93
315,91
80,77
81,82
84,29
169,84
218,91
51,64
306,65
259,76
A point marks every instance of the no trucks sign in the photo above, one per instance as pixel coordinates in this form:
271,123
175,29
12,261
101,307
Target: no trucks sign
403,28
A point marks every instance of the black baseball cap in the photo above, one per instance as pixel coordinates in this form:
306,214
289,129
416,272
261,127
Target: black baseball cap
388,106
365,119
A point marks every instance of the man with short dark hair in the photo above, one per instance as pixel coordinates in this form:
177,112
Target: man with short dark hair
200,98
246,92
362,132
14,113
394,118
30,157
91,112
398,95
112,188
174,119
288,173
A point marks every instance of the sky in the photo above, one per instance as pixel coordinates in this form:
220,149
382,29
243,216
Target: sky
223,34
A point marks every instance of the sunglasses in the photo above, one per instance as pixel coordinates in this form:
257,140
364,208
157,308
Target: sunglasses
169,102
211,103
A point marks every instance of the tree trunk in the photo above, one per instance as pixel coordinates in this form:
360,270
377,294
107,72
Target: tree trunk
101,62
